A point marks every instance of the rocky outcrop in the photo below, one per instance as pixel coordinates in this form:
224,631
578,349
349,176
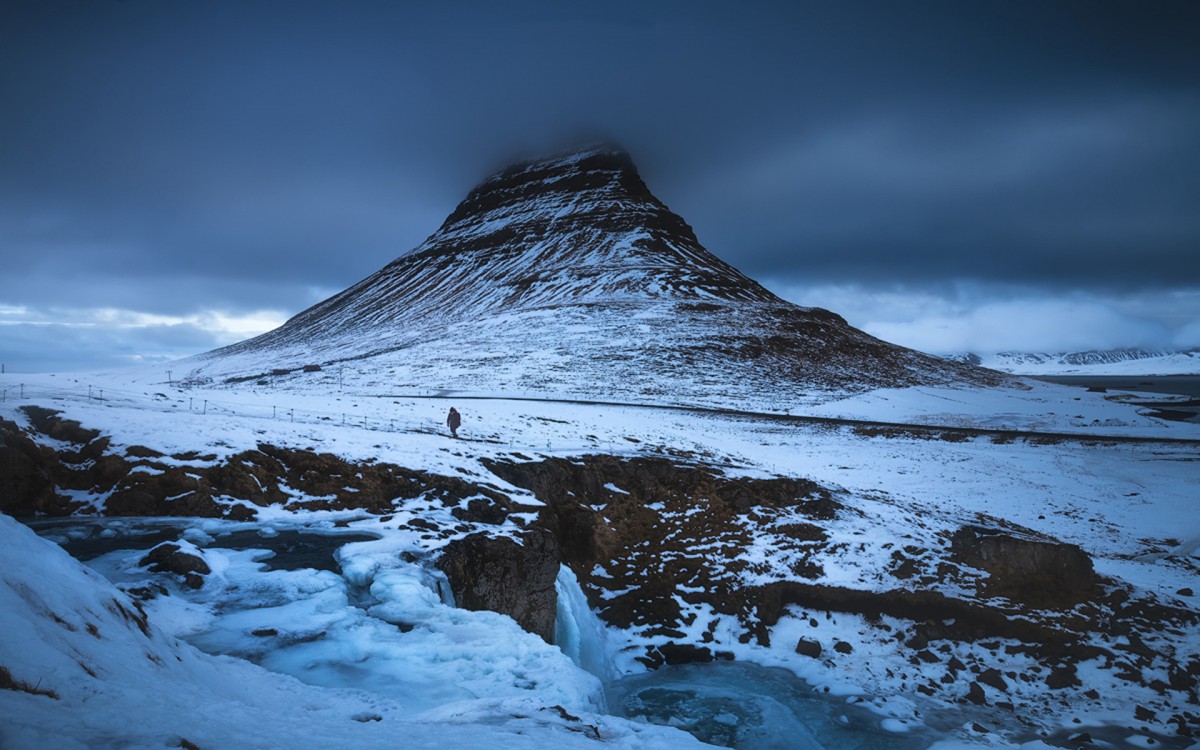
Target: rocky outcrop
171,558
26,487
653,525
36,478
1039,571
514,577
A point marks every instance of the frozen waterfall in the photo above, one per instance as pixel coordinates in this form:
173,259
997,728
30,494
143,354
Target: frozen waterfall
577,630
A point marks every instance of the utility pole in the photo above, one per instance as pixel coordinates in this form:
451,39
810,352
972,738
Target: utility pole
341,369
169,380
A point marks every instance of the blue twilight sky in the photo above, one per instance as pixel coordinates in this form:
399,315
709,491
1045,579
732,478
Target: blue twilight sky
982,175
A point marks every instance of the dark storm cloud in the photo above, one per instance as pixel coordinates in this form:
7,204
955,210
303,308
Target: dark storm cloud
240,156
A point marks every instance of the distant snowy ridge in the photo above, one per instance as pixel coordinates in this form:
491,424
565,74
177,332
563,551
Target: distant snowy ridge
1096,362
567,275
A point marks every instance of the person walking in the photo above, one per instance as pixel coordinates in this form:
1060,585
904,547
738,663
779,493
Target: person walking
453,421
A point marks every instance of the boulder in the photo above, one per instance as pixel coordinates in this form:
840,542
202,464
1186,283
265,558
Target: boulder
1062,677
808,647
976,695
503,575
992,678
1034,570
171,558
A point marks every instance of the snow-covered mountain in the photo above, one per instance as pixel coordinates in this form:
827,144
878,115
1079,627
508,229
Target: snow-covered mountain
1096,362
566,276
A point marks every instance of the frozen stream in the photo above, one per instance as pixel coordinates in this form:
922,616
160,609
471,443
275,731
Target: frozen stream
344,608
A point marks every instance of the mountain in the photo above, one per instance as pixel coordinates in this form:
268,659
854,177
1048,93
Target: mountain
567,276
1096,362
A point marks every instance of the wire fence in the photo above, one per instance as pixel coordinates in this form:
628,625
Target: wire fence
179,400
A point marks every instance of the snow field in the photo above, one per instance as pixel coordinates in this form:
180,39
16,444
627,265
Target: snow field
1131,506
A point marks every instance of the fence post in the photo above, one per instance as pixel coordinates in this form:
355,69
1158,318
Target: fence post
291,415
272,412
205,406
189,404
22,390
89,392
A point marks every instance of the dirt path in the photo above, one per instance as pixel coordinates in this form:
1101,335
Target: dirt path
893,429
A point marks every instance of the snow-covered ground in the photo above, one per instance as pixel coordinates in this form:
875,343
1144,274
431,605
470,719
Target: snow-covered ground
1131,505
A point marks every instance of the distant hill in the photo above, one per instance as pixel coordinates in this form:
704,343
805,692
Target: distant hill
1101,362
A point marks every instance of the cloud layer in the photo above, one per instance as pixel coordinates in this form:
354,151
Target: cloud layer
959,318
181,158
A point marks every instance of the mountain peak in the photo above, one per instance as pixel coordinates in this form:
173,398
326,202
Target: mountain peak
579,226
565,274
597,184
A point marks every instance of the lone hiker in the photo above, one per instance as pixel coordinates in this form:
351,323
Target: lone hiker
453,421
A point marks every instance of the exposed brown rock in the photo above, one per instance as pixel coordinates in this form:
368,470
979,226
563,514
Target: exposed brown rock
502,575
991,677
646,531
34,478
26,487
1062,677
170,558
976,695
1038,571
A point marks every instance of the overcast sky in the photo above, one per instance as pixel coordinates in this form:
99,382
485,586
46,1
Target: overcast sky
949,175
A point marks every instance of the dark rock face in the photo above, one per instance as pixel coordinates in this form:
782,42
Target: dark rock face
648,530
673,653
170,558
26,487
808,647
1041,572
501,575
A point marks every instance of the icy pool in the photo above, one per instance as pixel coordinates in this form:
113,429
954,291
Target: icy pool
292,549
745,706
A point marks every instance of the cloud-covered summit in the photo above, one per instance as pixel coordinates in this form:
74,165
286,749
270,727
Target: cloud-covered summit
191,158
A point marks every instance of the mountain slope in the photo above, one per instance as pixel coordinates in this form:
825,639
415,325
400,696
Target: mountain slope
567,276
